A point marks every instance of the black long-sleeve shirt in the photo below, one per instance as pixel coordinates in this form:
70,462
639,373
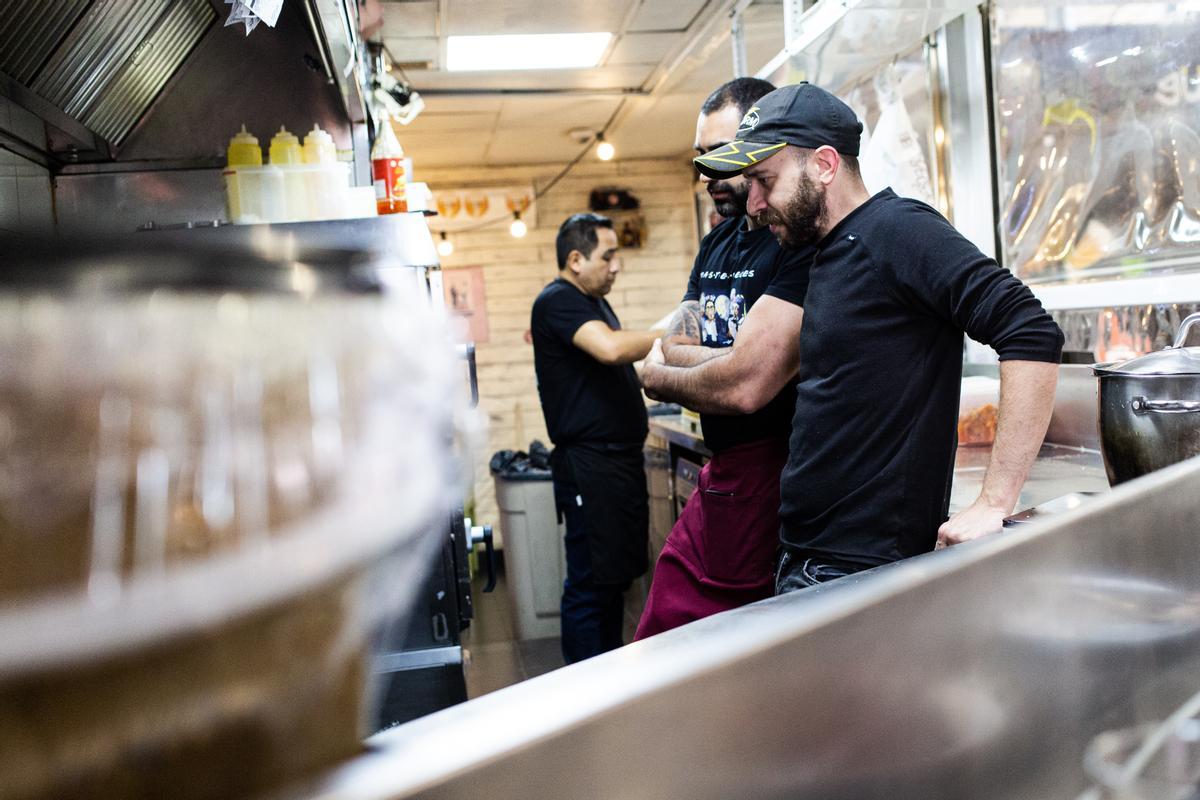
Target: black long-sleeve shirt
891,291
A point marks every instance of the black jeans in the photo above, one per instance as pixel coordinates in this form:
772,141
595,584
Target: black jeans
593,614
795,571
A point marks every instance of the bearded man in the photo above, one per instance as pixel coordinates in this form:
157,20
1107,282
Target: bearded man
892,289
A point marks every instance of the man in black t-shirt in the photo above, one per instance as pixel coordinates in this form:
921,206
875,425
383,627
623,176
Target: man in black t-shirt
596,417
892,289
731,354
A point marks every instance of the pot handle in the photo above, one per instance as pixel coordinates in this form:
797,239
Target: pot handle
1184,327
1140,405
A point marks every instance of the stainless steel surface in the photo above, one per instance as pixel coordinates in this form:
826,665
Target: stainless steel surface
679,431
143,76
979,671
135,80
1057,471
419,659
116,202
1140,405
1050,508
1146,406
183,262
1075,421
339,30
1185,328
1135,438
29,32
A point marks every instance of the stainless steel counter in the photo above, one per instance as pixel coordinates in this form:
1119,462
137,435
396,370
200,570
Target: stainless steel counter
980,671
1057,471
679,430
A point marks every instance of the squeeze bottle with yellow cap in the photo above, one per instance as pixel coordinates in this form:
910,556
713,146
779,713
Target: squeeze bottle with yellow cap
287,155
243,151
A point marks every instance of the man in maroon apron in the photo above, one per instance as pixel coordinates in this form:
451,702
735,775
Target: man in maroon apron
731,354
596,417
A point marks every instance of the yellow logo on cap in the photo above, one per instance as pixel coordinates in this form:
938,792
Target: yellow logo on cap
744,159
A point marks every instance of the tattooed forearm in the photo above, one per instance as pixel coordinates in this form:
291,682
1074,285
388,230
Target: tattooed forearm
685,323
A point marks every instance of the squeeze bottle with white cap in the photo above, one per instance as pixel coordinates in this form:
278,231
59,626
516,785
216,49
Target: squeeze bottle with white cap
327,181
387,171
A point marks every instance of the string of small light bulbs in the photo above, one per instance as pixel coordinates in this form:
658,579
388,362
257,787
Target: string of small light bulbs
605,151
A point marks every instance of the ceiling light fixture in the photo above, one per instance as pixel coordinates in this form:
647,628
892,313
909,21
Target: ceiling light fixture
604,149
518,228
445,247
525,51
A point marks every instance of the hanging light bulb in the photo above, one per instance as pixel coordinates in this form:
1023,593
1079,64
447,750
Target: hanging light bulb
604,149
518,228
445,247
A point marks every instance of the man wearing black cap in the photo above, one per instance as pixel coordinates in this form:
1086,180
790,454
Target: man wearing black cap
892,289
740,373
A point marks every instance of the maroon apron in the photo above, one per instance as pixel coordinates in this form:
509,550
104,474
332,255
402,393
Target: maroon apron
721,551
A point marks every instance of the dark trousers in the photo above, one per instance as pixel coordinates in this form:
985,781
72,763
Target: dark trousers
795,571
593,614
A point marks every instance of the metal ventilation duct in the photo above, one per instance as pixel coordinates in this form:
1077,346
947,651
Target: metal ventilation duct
101,62
152,64
30,30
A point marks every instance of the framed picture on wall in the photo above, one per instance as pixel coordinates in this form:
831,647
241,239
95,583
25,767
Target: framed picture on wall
463,289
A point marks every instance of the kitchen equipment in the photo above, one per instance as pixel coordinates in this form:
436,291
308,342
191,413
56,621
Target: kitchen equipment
1152,761
220,472
1059,505
1150,409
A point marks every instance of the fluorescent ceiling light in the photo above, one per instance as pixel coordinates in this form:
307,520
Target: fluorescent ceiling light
525,51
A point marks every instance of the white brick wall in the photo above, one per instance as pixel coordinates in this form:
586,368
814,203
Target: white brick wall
652,280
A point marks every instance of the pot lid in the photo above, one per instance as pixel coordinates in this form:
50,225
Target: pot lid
1171,361
1175,360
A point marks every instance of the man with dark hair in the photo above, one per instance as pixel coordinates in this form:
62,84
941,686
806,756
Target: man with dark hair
596,417
731,354
893,288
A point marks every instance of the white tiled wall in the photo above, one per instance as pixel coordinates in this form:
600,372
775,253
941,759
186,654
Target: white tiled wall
25,203
25,198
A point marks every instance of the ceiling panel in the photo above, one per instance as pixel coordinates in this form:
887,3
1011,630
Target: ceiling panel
466,17
557,113
512,147
408,50
659,127
451,104
410,19
666,15
643,48
450,123
439,150
626,76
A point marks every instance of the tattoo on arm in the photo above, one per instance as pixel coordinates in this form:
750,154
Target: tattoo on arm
685,323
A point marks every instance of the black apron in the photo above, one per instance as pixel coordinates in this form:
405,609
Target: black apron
611,480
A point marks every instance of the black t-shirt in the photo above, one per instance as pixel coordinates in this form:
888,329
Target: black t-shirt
582,399
733,269
893,287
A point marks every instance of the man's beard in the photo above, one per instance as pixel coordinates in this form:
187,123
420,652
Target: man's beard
801,220
735,206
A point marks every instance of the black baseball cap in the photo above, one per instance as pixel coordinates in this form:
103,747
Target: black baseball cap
802,115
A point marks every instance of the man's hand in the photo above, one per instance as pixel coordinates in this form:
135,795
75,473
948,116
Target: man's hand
653,359
977,519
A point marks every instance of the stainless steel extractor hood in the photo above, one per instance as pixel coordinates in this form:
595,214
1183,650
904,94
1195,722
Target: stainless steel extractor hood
98,63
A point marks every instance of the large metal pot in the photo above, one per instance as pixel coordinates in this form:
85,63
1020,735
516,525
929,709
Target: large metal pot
1150,409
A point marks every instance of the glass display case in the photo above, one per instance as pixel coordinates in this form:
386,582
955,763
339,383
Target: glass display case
1098,112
